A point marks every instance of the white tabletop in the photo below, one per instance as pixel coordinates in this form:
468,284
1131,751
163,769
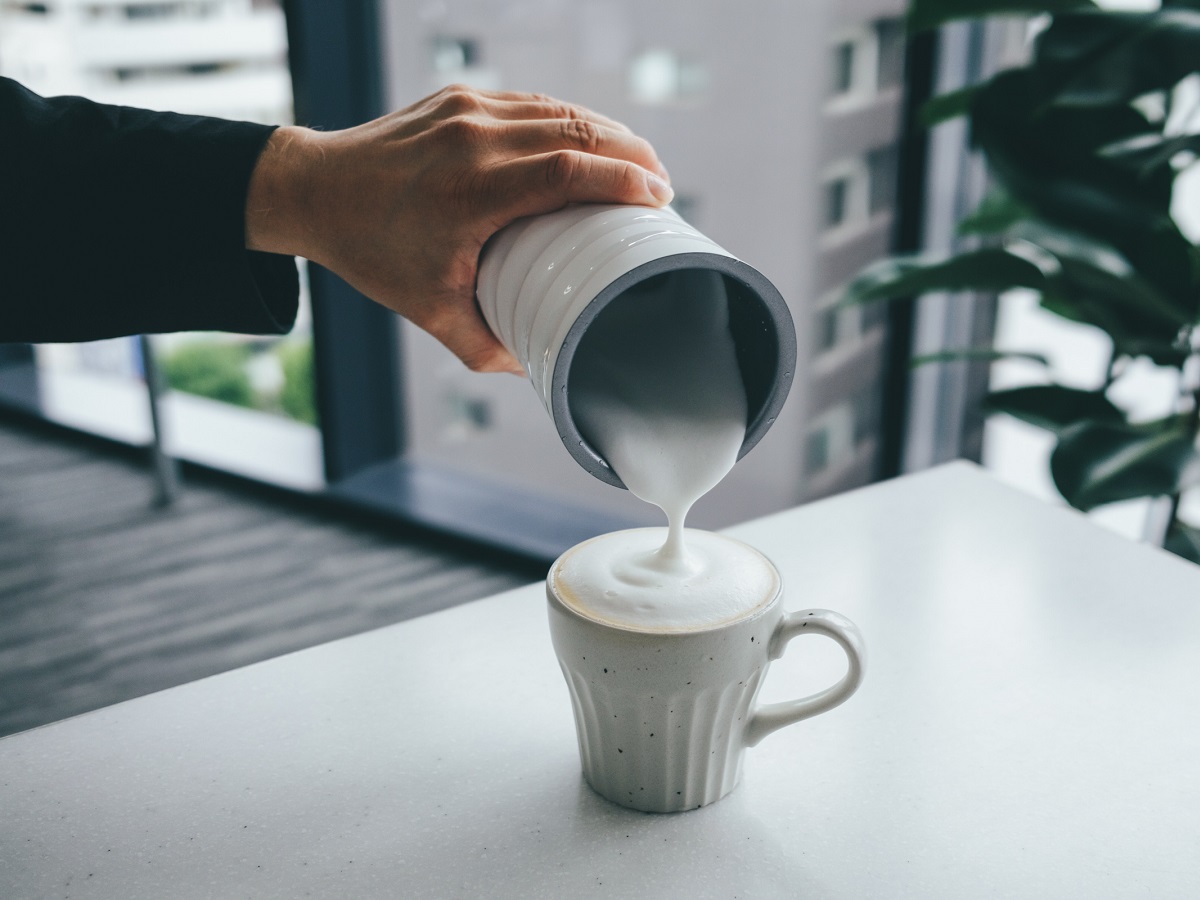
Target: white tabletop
1029,727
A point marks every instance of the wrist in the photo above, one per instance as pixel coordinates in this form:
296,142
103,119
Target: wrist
277,219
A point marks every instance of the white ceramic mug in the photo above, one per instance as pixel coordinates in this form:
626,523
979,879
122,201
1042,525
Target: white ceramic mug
543,280
663,718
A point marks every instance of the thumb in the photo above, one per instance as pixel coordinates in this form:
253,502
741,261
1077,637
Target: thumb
467,336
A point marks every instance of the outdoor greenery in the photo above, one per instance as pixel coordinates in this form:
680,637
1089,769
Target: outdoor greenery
296,398
218,369
211,369
1084,144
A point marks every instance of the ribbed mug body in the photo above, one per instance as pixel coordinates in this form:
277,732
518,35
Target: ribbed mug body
539,274
661,716
542,281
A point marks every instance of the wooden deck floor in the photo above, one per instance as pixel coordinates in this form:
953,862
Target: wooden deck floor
104,597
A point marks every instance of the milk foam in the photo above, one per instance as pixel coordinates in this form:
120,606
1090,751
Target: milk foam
656,388
616,579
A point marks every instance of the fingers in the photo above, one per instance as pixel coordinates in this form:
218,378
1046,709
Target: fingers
531,138
538,184
551,109
519,105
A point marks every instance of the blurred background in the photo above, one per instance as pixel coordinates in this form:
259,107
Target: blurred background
783,126
792,134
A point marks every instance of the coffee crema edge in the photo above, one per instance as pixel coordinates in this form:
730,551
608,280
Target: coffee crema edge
561,593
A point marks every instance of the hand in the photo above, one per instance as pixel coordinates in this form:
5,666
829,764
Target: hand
401,207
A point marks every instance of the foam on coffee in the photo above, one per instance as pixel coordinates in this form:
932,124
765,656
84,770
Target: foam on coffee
656,388
616,579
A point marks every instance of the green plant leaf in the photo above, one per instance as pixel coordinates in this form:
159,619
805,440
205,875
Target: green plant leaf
988,270
945,107
297,398
1153,314
1109,58
1095,283
1100,462
1149,152
996,212
977,354
924,14
1046,158
1052,406
1183,540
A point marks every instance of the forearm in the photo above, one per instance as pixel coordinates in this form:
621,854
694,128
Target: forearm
119,221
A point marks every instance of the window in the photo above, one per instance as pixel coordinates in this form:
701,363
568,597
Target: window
844,194
450,55
826,331
890,47
816,451
836,194
843,67
866,415
881,178
659,77
873,315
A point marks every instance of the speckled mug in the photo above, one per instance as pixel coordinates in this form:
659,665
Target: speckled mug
663,717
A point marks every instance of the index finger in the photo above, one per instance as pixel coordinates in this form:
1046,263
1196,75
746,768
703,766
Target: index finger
518,105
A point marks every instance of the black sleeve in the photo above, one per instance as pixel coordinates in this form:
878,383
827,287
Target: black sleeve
117,221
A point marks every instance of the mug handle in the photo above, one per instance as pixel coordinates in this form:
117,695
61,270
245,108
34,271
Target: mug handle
773,716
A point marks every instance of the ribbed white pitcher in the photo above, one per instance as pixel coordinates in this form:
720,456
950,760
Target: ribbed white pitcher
544,279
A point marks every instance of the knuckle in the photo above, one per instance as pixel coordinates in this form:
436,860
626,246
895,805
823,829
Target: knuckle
459,100
582,134
463,130
563,167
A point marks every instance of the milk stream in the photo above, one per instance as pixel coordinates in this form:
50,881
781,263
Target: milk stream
656,388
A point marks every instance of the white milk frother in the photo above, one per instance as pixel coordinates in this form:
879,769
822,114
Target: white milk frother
544,279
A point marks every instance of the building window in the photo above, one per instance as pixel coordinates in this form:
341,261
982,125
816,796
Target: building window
837,193
451,54
890,47
660,77
826,331
881,178
816,451
844,194
836,326
872,315
852,66
843,67
867,409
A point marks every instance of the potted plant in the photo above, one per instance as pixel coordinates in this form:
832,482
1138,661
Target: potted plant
1084,144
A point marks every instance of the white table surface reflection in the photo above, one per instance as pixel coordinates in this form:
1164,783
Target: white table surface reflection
1028,728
